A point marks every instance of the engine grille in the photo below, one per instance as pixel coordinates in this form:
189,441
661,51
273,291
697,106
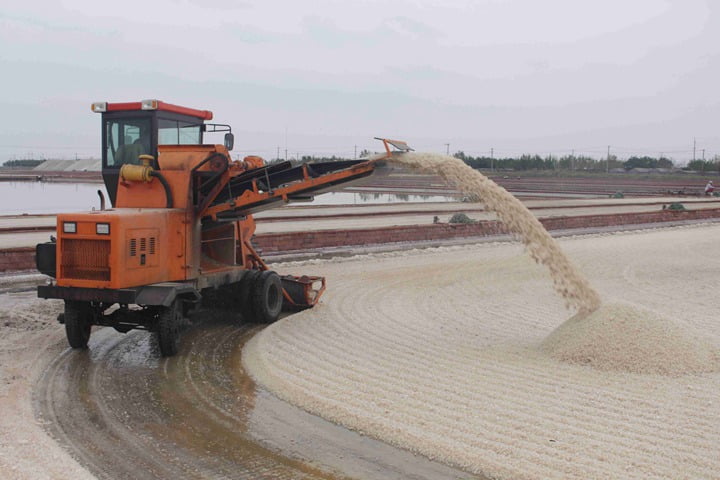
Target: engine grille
85,259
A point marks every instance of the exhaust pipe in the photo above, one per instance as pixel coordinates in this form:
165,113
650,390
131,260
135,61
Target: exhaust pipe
102,199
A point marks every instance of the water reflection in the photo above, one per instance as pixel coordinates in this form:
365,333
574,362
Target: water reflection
17,198
358,198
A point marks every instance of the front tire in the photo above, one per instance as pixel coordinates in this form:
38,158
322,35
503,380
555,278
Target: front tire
168,333
267,297
78,324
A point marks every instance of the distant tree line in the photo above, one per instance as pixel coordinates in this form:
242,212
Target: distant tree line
536,162
549,162
581,162
22,163
705,165
647,162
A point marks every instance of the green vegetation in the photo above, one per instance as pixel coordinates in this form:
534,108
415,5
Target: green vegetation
617,195
462,218
579,164
704,165
647,162
536,162
676,206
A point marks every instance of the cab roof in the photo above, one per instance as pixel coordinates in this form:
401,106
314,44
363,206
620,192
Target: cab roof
100,107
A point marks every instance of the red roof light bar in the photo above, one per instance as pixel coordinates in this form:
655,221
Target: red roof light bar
151,105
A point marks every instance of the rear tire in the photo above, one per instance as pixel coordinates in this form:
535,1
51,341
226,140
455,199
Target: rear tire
78,317
267,297
169,329
245,288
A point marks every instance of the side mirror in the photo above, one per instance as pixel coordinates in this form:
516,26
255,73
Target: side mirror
229,141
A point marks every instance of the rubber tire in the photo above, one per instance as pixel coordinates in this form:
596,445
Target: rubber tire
77,324
267,297
245,288
168,333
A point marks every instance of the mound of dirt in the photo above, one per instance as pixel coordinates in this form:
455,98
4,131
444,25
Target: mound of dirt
624,338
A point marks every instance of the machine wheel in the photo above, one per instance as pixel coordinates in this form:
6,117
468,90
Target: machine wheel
245,289
77,323
169,329
267,297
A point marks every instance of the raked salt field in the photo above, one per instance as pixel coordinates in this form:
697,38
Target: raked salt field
441,352
435,366
593,356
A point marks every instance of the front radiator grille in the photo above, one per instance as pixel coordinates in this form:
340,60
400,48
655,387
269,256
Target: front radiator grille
85,259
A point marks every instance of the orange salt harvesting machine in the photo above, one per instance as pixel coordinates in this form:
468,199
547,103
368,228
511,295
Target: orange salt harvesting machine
179,232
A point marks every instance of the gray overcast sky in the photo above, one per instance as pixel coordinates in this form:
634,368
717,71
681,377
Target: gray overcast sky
514,75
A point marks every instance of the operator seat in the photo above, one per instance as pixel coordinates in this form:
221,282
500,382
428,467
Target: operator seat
128,154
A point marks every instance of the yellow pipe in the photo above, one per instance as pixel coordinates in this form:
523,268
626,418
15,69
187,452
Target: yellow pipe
138,173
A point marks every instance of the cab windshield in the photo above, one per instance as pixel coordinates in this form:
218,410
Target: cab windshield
127,139
130,137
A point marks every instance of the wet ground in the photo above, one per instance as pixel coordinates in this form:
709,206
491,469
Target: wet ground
122,411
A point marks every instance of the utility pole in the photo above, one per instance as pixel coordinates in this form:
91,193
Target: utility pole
607,165
572,161
694,144
355,152
278,153
286,154
447,149
703,150
492,155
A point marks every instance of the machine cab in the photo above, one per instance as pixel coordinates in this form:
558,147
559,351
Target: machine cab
132,129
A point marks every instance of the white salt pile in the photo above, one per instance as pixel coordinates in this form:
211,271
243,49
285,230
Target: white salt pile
625,338
615,337
567,281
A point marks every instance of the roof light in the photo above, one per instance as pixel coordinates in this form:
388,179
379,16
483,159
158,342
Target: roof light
99,107
149,105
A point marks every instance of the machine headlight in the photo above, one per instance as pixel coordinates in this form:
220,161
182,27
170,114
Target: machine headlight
102,228
69,227
99,107
149,105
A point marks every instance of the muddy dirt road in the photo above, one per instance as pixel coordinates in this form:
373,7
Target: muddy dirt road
121,411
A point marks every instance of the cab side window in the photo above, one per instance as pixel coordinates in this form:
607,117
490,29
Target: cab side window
177,132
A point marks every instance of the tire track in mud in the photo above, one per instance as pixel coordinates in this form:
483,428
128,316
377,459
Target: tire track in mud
124,412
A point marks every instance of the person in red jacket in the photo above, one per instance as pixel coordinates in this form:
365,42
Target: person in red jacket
709,188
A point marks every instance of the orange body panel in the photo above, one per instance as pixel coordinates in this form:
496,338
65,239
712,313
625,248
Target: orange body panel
176,163
144,246
149,243
140,220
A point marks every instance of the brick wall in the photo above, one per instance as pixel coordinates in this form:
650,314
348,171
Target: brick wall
301,241
13,259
